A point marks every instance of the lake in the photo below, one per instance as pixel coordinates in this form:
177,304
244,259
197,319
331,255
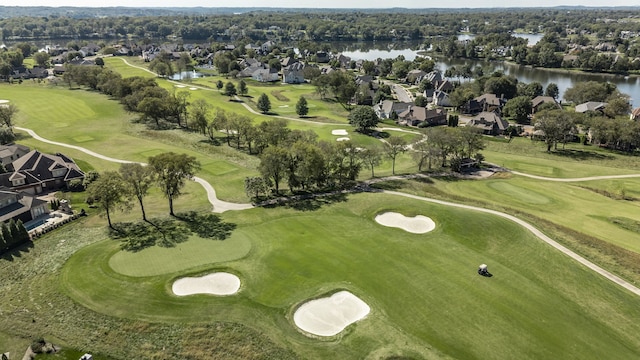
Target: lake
629,85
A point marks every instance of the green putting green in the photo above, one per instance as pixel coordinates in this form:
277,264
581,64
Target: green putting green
187,255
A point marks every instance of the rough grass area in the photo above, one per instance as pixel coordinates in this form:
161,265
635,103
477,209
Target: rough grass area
278,95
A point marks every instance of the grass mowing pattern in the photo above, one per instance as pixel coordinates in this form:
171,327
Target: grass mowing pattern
423,290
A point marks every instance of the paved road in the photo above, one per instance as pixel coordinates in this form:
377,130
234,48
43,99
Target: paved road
402,94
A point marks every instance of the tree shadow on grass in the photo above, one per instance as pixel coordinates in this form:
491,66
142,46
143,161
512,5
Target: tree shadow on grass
315,202
17,251
213,142
390,185
208,226
136,236
168,232
582,155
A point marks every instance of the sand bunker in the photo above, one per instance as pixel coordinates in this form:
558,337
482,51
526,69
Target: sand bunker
193,88
220,283
417,225
339,132
343,139
179,86
4,101
329,316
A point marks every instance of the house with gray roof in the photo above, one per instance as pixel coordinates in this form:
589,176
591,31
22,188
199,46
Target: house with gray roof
385,107
489,122
11,152
36,172
293,74
20,206
591,106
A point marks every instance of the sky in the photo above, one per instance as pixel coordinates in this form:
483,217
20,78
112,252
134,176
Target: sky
323,4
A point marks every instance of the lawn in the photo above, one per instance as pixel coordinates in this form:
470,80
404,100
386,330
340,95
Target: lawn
423,290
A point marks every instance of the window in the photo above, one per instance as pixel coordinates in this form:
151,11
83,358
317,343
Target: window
17,182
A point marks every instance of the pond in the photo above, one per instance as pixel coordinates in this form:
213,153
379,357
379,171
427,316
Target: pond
629,85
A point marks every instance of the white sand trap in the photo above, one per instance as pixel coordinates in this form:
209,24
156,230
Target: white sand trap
343,139
330,315
417,225
179,86
4,101
339,132
220,283
192,88
283,106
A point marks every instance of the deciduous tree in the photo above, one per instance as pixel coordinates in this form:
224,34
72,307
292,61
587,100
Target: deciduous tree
108,191
138,180
264,104
395,146
363,118
172,170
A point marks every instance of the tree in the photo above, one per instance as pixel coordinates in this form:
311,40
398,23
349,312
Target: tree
7,115
363,118
199,112
556,125
100,62
519,108
617,106
552,90
108,192
172,170
420,101
230,90
41,59
219,85
302,109
371,156
264,104
395,146
255,185
273,165
582,92
153,108
242,88
138,180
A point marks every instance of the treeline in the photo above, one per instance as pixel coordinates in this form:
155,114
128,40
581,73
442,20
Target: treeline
304,163
156,105
321,25
12,234
609,53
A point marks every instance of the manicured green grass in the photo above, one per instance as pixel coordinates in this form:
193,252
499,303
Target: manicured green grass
568,204
423,290
575,161
195,252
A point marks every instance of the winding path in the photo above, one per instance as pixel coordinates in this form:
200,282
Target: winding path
219,206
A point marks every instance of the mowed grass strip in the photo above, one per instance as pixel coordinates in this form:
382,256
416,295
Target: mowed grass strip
423,289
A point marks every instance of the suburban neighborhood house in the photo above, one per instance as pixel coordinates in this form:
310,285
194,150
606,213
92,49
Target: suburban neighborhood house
489,122
417,115
36,172
11,152
20,206
539,100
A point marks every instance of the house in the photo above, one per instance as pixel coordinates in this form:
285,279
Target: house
539,100
267,46
590,106
385,108
635,114
288,61
415,76
440,98
322,57
36,172
417,115
489,122
344,61
11,152
484,102
293,74
265,75
20,206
